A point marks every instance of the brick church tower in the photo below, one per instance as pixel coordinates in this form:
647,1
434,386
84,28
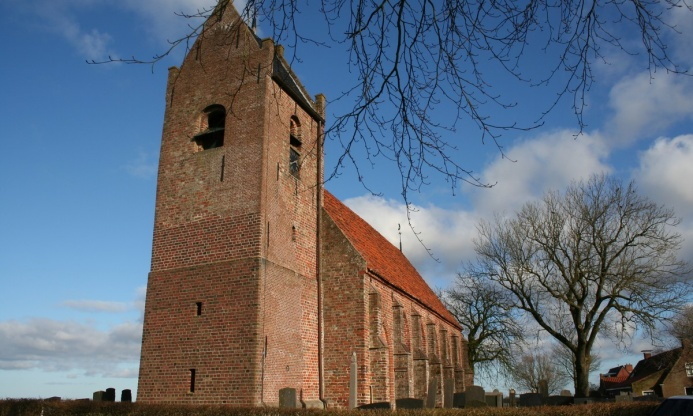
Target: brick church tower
231,312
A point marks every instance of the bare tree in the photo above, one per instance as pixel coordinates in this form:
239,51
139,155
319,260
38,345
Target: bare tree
411,59
494,334
531,368
681,327
598,259
564,359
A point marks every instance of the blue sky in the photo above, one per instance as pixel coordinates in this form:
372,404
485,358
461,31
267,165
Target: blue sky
78,175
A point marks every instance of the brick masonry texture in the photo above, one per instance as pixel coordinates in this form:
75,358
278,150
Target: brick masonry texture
254,286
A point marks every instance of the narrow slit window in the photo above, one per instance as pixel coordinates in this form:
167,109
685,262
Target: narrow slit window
295,147
213,127
198,308
192,380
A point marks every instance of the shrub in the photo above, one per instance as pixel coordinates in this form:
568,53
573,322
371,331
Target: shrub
25,407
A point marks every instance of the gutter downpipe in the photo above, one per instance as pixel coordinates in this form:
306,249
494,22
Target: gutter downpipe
319,189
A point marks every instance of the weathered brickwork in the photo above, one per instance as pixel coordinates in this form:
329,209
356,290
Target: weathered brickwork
234,235
396,339
256,284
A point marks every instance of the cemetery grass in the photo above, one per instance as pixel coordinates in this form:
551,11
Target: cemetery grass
26,407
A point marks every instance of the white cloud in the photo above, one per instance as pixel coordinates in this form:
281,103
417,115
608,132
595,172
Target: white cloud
665,171
680,18
664,175
52,345
60,17
549,161
448,233
645,106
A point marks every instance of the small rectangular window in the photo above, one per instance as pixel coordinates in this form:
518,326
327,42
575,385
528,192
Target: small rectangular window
198,308
689,369
192,380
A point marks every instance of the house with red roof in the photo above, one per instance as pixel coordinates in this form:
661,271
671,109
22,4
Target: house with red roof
264,288
614,377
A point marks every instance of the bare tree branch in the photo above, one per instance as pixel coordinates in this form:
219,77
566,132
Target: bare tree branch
492,328
411,59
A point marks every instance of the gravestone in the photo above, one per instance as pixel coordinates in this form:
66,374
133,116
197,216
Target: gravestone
494,399
475,396
353,374
544,388
110,395
126,396
98,396
530,400
287,398
372,406
582,400
431,396
409,403
559,400
312,404
448,392
458,400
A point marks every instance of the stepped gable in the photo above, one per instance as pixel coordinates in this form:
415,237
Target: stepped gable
383,259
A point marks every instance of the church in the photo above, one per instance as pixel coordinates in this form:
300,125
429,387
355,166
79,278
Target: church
261,280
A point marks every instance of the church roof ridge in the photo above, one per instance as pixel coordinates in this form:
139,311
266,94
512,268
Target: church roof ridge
384,259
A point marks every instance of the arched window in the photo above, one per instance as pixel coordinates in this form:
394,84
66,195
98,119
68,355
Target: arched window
213,124
295,146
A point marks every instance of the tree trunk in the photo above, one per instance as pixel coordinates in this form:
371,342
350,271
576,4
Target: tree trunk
582,375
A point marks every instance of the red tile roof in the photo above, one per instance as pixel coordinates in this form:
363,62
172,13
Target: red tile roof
383,259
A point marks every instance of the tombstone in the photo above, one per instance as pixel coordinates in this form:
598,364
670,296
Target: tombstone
544,388
99,396
458,400
559,400
448,392
373,406
431,396
494,399
511,398
287,398
530,400
409,403
312,404
566,393
126,396
353,374
475,397
110,395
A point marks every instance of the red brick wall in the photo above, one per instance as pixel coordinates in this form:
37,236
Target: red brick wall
360,311
235,231
221,344
345,315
